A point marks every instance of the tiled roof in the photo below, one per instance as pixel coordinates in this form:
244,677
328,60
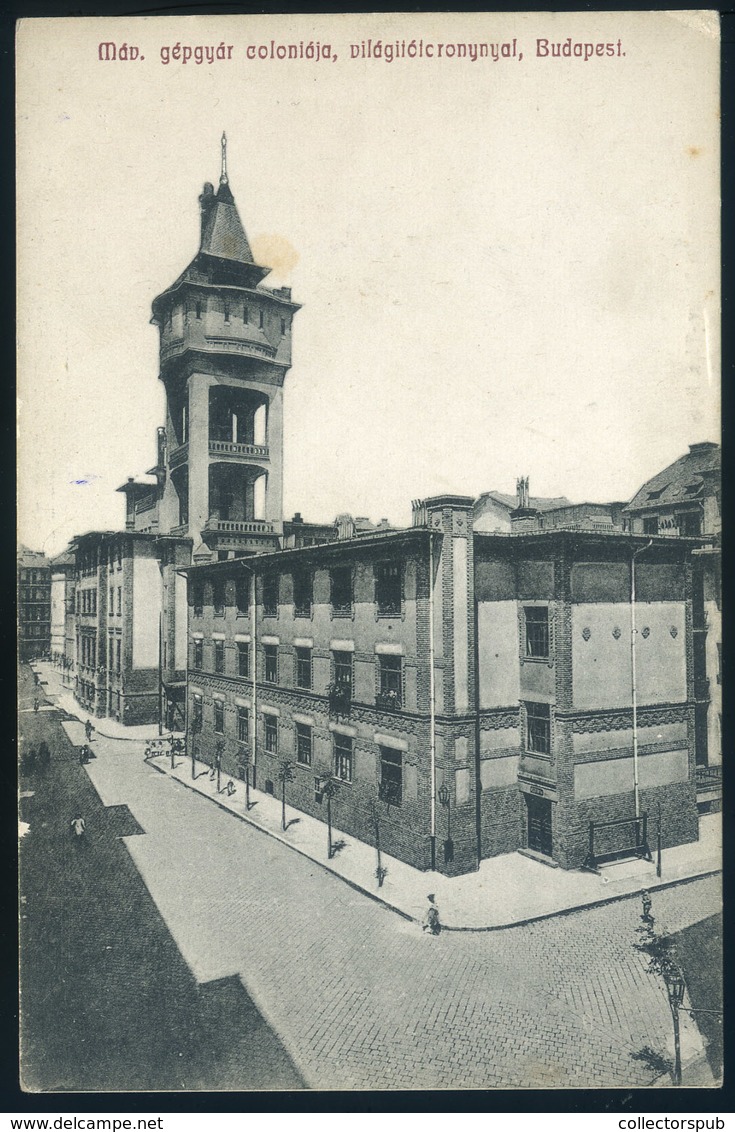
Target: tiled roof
681,481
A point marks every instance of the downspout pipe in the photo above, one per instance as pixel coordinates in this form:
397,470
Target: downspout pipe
633,675
432,704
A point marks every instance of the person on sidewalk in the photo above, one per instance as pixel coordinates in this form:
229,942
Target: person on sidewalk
84,754
78,827
431,922
36,703
88,730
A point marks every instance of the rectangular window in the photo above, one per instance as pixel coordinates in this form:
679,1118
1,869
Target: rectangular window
198,654
112,600
245,314
243,725
303,668
303,744
271,734
390,682
218,599
650,525
390,789
270,595
538,728
219,717
302,593
388,588
199,310
197,713
343,757
197,598
343,669
241,596
227,313
341,589
243,658
219,656
118,650
537,631
260,319
270,653
119,601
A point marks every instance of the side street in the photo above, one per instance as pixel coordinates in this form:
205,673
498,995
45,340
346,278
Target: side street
562,1001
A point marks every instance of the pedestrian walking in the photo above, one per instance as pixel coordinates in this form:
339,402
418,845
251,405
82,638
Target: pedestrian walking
88,730
431,922
78,827
36,704
84,754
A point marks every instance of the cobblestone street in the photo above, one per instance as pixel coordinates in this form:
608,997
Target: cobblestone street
361,998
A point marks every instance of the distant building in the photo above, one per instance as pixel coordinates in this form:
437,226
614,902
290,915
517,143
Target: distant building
685,499
63,610
34,604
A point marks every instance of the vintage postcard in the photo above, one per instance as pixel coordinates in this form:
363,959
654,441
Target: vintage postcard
368,567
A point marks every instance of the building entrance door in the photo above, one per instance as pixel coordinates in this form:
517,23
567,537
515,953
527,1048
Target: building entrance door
539,824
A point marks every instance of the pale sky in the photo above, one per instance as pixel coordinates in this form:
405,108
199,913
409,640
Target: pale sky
505,267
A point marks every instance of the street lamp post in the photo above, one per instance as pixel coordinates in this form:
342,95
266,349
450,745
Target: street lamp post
445,801
329,790
675,990
380,872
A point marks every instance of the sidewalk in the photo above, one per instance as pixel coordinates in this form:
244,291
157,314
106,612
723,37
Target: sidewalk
53,686
505,891
508,890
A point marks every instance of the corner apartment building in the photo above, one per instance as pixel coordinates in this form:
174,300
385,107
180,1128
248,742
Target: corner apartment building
473,693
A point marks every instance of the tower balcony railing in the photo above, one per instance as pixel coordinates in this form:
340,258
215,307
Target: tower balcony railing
228,448
240,526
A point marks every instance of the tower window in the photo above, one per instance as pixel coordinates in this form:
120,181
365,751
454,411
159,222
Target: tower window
283,326
245,314
227,312
260,319
199,310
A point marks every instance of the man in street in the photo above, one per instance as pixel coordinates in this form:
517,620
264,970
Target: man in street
78,827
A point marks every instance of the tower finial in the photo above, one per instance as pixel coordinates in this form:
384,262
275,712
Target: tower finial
223,174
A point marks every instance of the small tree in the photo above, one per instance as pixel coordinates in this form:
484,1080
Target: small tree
658,949
285,773
661,954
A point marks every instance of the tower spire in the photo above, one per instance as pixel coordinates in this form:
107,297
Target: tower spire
223,175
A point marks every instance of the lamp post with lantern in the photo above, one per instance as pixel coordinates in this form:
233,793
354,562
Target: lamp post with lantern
445,801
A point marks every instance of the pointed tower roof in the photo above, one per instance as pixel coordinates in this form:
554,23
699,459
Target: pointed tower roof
225,256
223,234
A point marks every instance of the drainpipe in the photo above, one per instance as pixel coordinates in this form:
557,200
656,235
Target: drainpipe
478,762
432,702
634,685
254,672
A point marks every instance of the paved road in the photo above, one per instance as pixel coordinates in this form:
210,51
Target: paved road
107,1000
361,998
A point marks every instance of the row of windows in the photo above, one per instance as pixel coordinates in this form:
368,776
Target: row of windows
388,577
87,651
89,560
391,761
390,670
112,601
231,312
29,593
87,602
